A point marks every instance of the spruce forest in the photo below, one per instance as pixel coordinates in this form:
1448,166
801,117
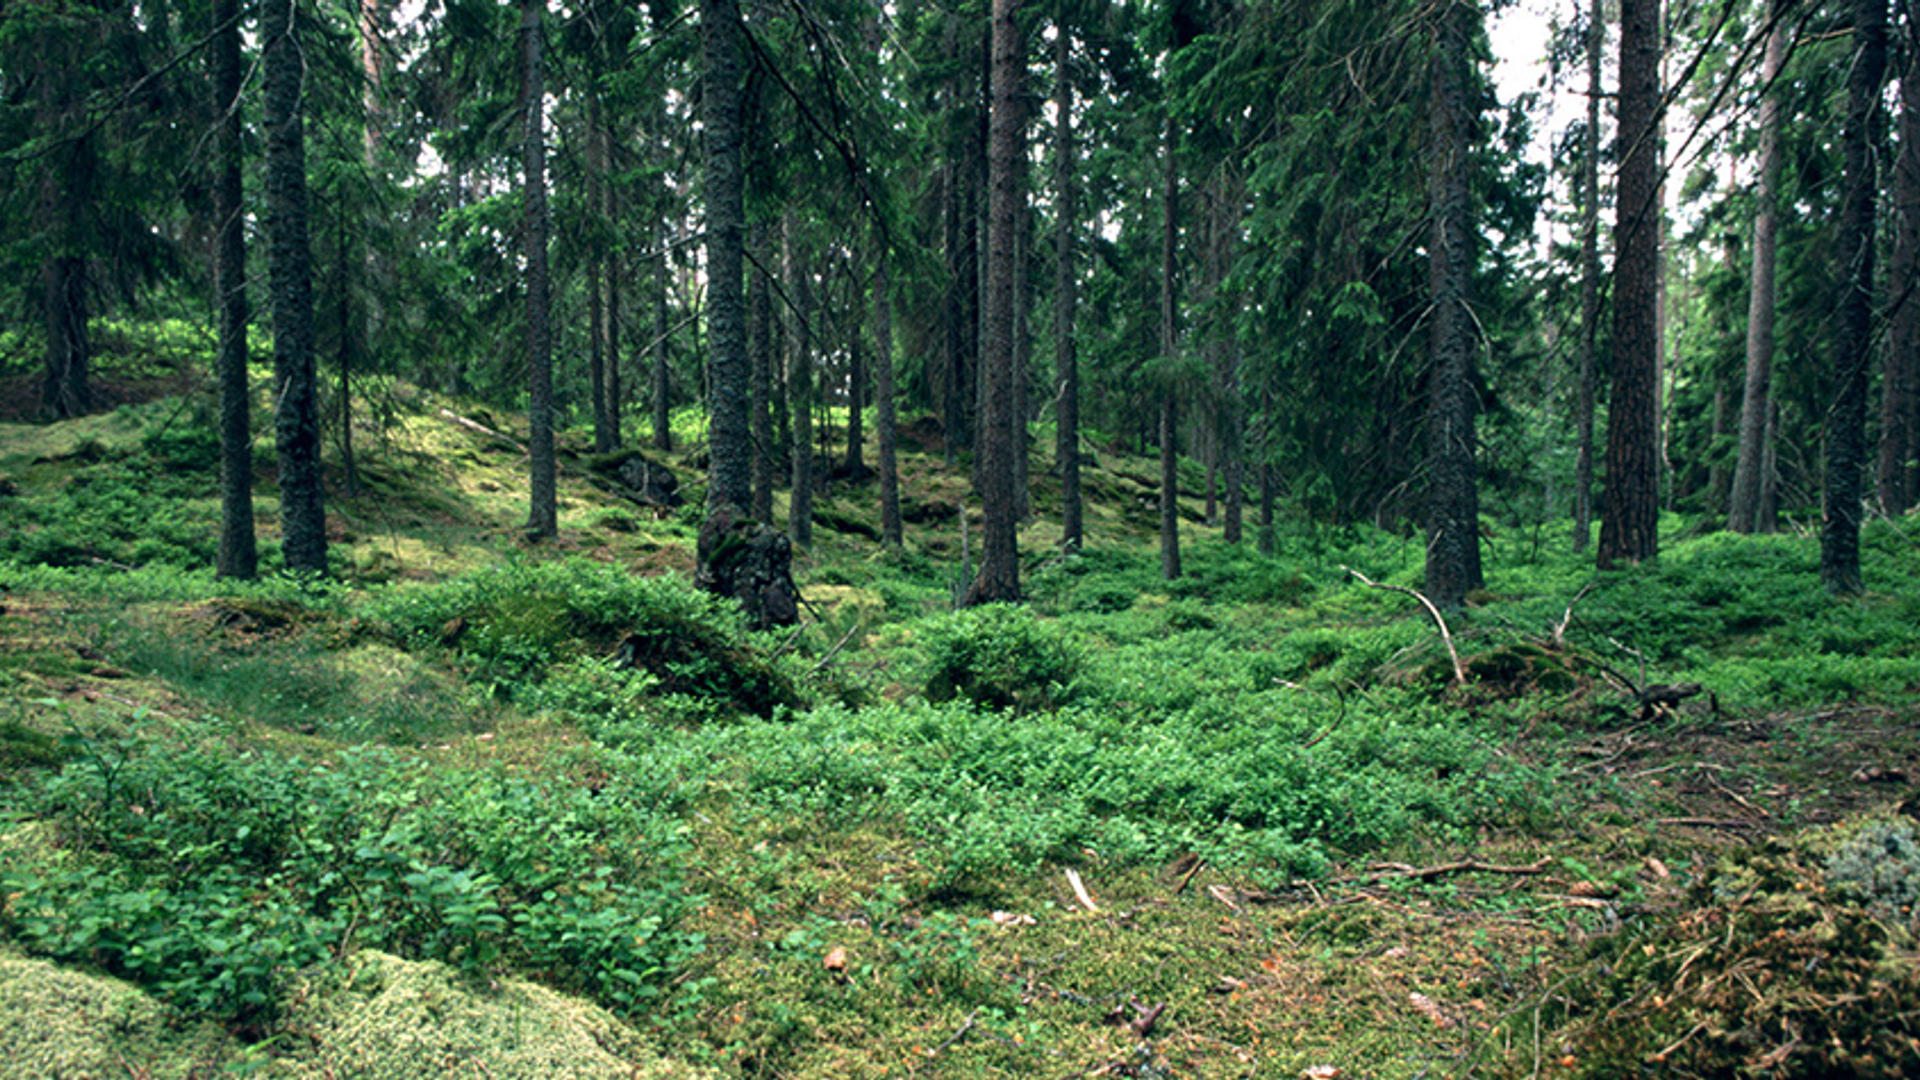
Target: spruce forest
1068,538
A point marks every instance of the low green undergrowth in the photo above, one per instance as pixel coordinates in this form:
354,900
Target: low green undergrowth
209,875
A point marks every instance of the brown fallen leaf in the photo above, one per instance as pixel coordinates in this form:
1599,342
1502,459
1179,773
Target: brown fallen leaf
836,960
1321,1072
1426,1007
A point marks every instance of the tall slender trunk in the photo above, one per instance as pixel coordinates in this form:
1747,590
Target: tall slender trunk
855,461
543,509
239,553
1899,482
1169,342
660,355
303,532
799,383
1231,451
1066,360
1853,339
1743,504
760,399
886,428
1589,285
1629,528
729,439
1453,501
1268,541
999,577
597,315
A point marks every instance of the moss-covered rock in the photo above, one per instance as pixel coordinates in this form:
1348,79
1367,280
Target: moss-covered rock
379,1017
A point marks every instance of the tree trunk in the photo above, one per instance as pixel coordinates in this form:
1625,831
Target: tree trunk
1899,482
543,509
303,523
799,384
1169,341
729,438
1066,360
999,578
760,346
1589,285
1853,338
1628,529
598,317
1743,509
1453,501
239,553
886,428
1232,448
1268,541
661,354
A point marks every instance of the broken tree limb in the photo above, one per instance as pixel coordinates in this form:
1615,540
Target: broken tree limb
1446,636
1080,890
1566,617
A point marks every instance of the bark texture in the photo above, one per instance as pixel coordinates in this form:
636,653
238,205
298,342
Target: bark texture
239,552
729,438
1743,502
999,577
1589,285
543,500
1628,529
1066,360
1453,500
1853,338
303,533
1899,481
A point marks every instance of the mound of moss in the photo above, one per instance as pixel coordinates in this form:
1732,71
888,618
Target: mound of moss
378,1017
64,1023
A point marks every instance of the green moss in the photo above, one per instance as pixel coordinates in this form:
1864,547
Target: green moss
56,1022
379,1017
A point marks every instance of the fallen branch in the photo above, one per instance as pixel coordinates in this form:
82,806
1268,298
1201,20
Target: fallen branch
1560,628
1459,672
1464,866
475,425
1702,823
848,636
956,1036
1080,890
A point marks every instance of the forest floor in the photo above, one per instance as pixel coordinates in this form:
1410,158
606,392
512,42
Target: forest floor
1529,875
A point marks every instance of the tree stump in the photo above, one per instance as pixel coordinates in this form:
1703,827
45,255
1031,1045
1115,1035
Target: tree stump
750,563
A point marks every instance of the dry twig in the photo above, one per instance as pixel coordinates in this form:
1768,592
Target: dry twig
1446,636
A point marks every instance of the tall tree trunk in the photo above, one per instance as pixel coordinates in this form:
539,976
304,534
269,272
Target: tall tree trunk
63,213
1629,528
616,286
1853,339
1022,350
1743,507
1453,501
350,319
303,523
799,383
597,315
730,440
1899,482
1169,342
1066,294
886,428
1589,285
1233,411
661,353
543,509
999,578
239,554
760,347
761,398
855,461
1268,541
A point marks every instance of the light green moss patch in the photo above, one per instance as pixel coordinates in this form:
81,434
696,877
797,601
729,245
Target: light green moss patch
383,1018
55,1022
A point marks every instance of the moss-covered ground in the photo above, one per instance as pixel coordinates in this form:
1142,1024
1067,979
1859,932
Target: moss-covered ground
412,822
